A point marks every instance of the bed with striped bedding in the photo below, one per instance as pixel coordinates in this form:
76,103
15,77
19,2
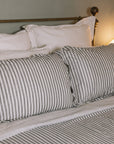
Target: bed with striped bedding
91,123
66,97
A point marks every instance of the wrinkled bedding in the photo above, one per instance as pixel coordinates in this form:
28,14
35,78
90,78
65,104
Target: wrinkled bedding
22,53
91,123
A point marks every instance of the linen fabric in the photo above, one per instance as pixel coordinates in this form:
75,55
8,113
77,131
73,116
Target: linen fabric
96,127
14,54
34,85
10,129
91,71
57,38
44,36
17,41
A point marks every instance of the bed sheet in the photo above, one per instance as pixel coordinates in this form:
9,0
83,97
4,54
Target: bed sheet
12,54
13,128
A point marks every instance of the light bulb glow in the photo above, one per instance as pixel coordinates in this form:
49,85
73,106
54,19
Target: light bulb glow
112,41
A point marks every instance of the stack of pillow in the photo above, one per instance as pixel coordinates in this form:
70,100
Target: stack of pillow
45,39
70,76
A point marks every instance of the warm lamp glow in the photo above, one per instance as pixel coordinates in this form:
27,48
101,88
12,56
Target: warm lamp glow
112,41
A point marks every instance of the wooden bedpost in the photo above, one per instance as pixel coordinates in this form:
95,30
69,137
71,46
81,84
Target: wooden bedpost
94,11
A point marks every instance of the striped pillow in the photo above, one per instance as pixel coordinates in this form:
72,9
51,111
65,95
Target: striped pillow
33,85
91,71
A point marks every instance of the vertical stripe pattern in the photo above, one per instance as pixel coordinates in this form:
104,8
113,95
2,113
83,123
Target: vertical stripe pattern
33,85
95,128
91,71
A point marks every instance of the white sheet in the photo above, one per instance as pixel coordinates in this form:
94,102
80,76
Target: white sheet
12,54
9,129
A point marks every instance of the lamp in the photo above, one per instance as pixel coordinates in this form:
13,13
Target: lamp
112,41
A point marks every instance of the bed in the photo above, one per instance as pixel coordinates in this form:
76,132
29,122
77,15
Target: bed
60,91
91,123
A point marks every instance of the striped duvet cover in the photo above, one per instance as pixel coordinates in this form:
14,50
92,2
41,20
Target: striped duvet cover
92,123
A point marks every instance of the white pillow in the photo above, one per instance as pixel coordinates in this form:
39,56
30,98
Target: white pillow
18,41
90,21
35,36
54,38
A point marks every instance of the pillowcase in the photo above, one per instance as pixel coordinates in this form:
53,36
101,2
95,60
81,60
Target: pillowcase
59,37
36,37
18,41
90,21
33,85
91,71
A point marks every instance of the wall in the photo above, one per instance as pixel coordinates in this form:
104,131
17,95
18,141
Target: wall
18,9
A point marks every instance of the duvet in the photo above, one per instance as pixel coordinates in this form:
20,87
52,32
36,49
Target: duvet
91,123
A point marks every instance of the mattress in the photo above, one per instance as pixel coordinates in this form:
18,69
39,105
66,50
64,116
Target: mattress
91,123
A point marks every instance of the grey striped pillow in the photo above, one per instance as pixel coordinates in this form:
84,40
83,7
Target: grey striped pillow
34,85
91,71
